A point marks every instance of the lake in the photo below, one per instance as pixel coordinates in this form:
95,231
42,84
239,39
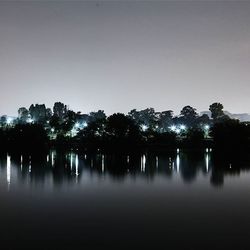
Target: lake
167,200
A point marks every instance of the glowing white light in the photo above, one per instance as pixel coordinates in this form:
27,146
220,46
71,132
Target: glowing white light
85,124
128,159
183,127
29,120
102,163
71,161
52,130
207,162
9,120
178,150
77,125
143,163
173,128
77,164
144,127
177,131
206,127
8,169
52,159
178,163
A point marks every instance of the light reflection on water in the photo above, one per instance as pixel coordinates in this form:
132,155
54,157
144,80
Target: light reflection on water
65,167
158,197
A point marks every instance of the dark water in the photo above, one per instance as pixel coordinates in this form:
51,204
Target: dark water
159,201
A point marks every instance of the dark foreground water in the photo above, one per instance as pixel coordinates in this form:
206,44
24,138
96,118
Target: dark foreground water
144,201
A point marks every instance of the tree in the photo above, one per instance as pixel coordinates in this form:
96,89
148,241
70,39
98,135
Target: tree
54,122
146,117
188,115
38,112
94,129
99,115
23,114
134,115
203,120
231,135
165,120
48,113
69,121
189,112
29,137
121,126
60,110
3,120
216,110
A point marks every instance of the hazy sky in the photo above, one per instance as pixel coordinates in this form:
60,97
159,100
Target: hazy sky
122,55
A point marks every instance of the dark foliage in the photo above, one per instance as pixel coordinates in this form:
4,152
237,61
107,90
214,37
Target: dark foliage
147,127
231,135
26,137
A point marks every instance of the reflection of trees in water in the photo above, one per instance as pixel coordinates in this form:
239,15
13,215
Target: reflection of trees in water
190,164
58,168
228,164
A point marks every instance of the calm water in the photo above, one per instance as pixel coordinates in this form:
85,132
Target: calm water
159,201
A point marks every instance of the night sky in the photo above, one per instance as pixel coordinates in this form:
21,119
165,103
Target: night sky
122,55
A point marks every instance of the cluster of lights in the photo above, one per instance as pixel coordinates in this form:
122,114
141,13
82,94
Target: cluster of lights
29,120
77,127
206,127
144,127
178,129
9,120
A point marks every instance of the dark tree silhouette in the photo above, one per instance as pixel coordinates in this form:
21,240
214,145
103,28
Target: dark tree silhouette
29,137
121,126
216,110
3,120
231,135
23,114
194,138
48,113
38,113
188,115
99,115
146,117
60,110
69,121
165,120
203,119
94,130
144,127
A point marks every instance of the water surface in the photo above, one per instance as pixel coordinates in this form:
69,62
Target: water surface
165,200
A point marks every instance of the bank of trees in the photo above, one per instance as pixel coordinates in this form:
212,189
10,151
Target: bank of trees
138,127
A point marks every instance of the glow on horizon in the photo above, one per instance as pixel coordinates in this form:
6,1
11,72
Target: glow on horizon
92,65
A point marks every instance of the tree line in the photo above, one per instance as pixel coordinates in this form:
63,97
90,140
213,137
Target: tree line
39,125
